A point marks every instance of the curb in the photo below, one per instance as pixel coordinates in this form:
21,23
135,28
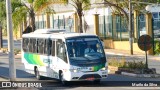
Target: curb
4,77
1,51
19,54
141,75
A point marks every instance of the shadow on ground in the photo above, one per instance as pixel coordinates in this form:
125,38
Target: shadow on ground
4,72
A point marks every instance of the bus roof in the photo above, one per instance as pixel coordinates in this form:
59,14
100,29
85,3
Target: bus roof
49,33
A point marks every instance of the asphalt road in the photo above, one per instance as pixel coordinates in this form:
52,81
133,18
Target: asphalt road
113,81
17,44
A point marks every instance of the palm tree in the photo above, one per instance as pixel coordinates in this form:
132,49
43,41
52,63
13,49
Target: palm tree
80,5
19,13
21,9
39,5
31,13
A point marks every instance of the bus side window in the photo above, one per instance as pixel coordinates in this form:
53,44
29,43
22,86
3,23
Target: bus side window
53,48
34,46
64,53
47,47
30,45
58,43
37,45
40,46
27,45
61,50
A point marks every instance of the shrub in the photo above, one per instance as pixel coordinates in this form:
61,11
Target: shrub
16,51
128,65
116,62
157,48
140,65
113,62
136,65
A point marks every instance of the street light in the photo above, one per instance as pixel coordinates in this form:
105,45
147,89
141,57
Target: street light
1,38
130,28
104,21
12,70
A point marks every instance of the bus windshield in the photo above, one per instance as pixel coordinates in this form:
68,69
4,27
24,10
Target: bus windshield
85,51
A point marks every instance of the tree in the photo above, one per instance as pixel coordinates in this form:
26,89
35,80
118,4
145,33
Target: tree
22,9
80,5
31,12
42,5
136,4
19,13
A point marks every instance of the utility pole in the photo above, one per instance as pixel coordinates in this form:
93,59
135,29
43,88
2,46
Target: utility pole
12,70
104,21
130,28
1,37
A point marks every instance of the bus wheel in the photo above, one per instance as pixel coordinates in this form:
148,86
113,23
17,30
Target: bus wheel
97,81
37,73
61,78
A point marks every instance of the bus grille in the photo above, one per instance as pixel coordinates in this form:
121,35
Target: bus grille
90,75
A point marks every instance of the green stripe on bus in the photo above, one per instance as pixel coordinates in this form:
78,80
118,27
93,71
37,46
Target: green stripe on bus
39,61
26,56
96,68
33,59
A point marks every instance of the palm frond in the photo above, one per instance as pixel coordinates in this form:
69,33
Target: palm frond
40,5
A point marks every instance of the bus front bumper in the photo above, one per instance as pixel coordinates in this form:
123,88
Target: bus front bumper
82,76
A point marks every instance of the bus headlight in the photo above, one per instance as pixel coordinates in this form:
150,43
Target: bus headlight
104,68
73,70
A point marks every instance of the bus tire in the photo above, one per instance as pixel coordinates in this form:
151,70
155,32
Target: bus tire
37,74
61,78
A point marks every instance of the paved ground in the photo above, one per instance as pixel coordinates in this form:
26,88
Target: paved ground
127,53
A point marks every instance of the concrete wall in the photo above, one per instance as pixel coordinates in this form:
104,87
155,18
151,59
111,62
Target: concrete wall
121,45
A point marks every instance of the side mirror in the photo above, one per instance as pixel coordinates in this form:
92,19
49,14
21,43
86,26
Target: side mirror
102,44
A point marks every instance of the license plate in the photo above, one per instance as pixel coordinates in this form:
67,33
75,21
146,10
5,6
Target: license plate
90,78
